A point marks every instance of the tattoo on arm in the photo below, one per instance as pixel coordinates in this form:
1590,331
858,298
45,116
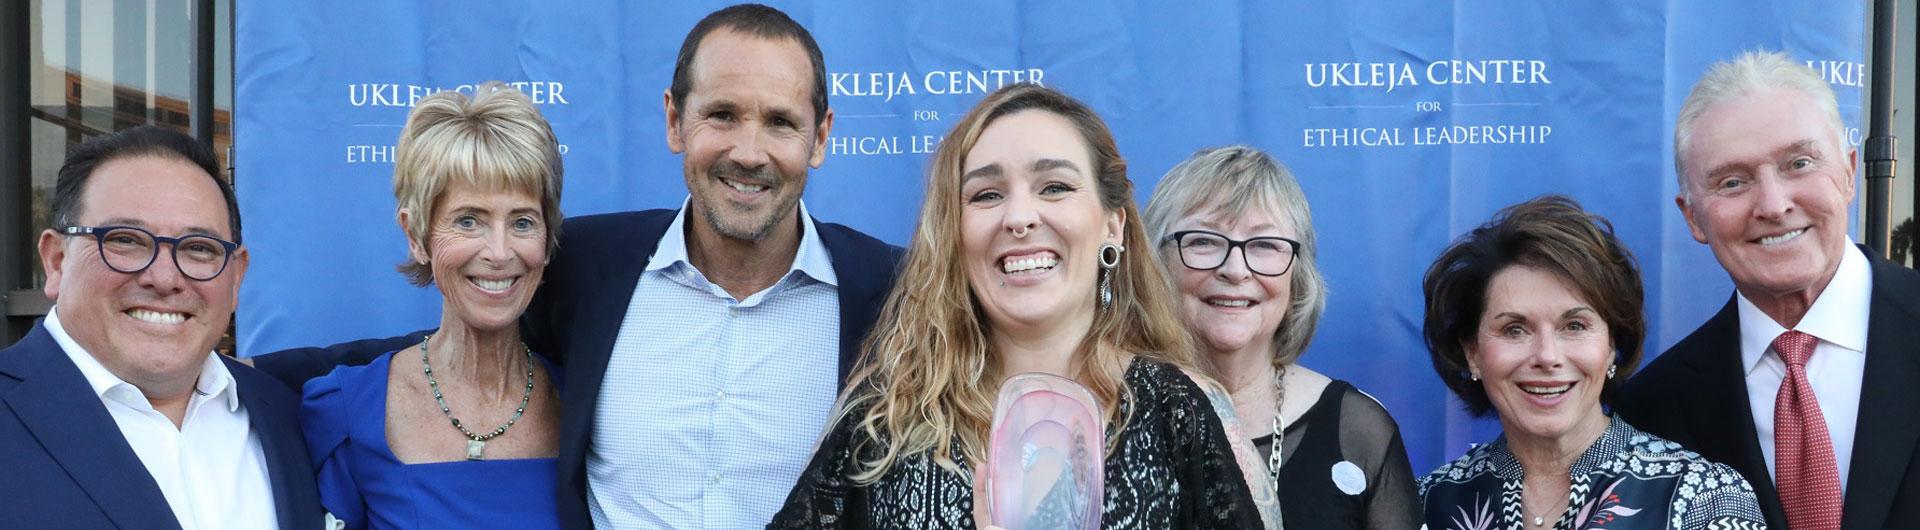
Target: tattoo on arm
1252,467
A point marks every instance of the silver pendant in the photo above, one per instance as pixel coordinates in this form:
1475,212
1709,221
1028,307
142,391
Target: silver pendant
474,448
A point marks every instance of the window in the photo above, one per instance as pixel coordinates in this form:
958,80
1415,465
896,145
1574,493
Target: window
96,66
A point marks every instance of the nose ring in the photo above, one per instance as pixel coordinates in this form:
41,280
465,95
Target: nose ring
1020,232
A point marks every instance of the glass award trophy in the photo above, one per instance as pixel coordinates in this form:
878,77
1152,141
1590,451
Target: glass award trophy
1044,467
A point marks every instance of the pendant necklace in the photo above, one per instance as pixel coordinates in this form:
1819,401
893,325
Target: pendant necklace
1539,519
477,443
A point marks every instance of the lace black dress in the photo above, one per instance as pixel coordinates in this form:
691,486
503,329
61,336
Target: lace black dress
1173,469
1345,466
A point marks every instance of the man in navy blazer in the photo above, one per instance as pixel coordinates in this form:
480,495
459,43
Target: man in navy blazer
1819,332
114,410
703,347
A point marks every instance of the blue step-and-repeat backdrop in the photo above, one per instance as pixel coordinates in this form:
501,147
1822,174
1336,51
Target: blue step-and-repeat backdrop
1408,122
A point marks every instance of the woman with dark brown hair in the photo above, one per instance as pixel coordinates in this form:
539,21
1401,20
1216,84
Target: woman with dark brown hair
1536,316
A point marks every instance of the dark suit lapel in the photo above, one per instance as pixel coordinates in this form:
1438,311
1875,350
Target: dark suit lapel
1722,416
599,314
1886,433
284,457
54,401
275,449
598,306
862,287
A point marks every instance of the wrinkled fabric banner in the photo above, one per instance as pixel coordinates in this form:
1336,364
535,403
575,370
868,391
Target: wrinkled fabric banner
1407,123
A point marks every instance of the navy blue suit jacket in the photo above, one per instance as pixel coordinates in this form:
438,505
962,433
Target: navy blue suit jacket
576,314
1696,394
66,465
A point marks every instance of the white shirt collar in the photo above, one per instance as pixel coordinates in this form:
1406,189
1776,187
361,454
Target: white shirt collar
811,259
215,381
1838,316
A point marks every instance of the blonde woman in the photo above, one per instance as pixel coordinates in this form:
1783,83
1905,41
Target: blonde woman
1236,238
460,430
1028,258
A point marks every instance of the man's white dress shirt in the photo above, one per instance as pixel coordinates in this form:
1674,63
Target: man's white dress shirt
1839,319
211,468
710,406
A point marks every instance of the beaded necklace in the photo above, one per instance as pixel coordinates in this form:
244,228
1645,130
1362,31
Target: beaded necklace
477,443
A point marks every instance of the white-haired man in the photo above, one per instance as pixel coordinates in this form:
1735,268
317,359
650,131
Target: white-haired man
1808,379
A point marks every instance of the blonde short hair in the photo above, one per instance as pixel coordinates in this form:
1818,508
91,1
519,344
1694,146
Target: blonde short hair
1243,179
495,140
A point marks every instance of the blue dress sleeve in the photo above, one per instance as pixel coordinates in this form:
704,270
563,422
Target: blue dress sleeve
325,413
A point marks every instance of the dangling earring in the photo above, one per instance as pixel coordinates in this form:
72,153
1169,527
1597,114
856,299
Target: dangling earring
1109,259
1611,368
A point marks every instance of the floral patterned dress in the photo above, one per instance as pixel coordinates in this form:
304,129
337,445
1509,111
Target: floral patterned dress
1628,479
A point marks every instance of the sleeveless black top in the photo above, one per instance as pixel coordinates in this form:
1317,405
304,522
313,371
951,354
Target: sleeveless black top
1344,466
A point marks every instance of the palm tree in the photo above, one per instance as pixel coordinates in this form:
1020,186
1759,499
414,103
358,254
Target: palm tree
1903,242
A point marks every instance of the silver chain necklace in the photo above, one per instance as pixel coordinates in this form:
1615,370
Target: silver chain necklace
1539,519
477,443
1279,430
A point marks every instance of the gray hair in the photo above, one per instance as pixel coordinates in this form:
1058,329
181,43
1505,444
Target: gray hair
1752,72
1241,179
496,140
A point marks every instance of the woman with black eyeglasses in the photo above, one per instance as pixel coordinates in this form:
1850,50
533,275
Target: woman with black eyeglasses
1236,239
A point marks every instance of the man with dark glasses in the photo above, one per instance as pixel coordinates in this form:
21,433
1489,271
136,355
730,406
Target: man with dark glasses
114,409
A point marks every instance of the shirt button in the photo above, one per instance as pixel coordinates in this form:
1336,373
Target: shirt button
720,395
715,478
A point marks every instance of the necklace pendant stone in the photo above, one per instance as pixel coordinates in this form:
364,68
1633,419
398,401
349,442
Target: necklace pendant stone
475,448
1537,520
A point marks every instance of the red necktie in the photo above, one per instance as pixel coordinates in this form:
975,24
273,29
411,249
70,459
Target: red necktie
1805,472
